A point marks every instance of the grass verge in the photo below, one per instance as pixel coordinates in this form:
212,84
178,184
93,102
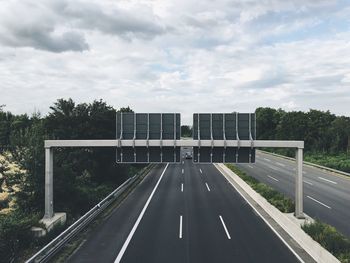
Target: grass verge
339,162
281,202
329,238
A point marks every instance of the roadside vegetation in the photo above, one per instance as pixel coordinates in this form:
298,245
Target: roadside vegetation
328,237
326,136
281,202
82,176
186,131
339,162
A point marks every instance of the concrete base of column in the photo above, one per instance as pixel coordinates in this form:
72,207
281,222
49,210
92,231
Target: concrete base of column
302,216
300,221
57,219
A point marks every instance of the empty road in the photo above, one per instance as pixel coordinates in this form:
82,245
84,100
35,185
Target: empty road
183,213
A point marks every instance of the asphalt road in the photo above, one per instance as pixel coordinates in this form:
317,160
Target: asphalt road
189,213
326,195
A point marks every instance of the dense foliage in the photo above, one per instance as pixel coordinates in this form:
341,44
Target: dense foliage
15,234
186,131
339,161
322,131
328,237
82,176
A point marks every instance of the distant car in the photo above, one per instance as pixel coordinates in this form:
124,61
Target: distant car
188,155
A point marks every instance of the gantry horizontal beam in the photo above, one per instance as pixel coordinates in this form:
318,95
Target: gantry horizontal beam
172,143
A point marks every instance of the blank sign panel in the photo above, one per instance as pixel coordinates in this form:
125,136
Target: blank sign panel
148,126
223,126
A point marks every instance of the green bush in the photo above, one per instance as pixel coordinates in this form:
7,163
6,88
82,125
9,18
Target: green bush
328,237
15,234
282,203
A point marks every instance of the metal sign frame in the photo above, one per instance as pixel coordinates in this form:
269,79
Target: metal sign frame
148,127
224,126
51,144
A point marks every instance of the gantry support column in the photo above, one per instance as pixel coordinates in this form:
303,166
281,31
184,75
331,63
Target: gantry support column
48,183
299,184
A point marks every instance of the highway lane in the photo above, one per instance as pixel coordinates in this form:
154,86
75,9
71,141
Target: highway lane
104,241
194,215
326,196
217,224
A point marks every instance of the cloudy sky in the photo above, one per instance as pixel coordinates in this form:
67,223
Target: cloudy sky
176,55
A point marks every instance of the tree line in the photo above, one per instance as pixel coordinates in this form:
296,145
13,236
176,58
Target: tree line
322,131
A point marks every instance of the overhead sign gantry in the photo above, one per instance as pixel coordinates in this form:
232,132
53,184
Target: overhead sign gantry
156,137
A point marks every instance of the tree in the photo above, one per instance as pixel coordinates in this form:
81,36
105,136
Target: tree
5,128
76,170
186,131
340,130
127,109
28,152
267,120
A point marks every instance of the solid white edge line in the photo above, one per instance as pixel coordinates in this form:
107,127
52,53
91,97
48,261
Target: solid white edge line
256,211
273,178
128,239
182,187
180,228
324,179
315,200
207,187
223,224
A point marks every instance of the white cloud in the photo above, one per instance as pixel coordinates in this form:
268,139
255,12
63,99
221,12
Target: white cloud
33,25
177,56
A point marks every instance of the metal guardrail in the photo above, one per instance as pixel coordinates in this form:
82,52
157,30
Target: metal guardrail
57,243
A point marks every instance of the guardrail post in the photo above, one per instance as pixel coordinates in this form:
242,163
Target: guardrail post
299,184
48,183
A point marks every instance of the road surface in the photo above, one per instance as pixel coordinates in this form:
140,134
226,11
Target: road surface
183,213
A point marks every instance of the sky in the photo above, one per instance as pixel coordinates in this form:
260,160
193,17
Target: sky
182,56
